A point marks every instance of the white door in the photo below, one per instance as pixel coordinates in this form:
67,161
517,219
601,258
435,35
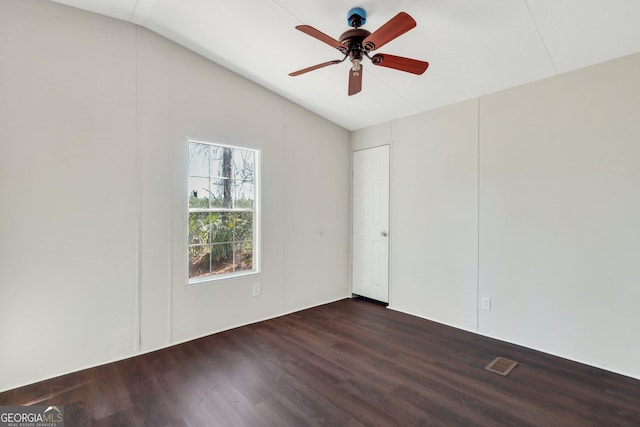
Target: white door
371,223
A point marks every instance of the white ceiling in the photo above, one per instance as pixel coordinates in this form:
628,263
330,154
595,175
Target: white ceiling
473,47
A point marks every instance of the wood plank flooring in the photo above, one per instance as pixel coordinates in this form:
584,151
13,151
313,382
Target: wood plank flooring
349,363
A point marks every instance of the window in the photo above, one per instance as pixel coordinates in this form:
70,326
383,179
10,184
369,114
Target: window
222,211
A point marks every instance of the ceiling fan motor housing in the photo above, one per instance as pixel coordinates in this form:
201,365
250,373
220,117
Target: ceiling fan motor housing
356,17
353,38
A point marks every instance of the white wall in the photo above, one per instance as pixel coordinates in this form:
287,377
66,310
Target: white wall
559,210
556,241
95,115
434,214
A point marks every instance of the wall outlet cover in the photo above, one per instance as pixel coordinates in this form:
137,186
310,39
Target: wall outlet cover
255,290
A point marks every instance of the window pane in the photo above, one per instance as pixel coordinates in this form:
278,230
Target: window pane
221,193
222,227
199,260
243,229
198,192
244,256
200,225
243,164
216,160
221,162
243,194
222,258
198,160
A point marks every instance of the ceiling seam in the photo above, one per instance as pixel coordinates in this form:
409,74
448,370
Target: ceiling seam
141,12
546,48
133,11
396,93
286,10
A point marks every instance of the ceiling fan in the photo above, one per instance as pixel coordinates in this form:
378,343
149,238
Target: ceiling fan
357,43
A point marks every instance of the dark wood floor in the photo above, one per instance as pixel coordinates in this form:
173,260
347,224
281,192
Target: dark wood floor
350,363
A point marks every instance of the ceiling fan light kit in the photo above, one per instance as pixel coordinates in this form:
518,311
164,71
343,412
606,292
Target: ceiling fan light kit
357,43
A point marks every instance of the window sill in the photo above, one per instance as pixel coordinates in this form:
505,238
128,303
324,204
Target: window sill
206,280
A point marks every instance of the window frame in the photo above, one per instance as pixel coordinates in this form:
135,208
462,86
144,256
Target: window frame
256,241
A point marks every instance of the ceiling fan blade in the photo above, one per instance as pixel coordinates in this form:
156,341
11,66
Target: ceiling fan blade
355,81
395,27
307,29
400,63
315,67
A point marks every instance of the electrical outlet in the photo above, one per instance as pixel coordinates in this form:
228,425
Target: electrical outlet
255,291
486,303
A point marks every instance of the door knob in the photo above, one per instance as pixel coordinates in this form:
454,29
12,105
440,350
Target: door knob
384,234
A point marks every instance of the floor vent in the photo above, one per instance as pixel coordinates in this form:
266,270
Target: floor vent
501,366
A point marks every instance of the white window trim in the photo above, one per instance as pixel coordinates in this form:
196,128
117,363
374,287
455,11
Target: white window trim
257,240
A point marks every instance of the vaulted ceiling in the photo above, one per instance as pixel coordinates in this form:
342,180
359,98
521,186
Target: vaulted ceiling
473,47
